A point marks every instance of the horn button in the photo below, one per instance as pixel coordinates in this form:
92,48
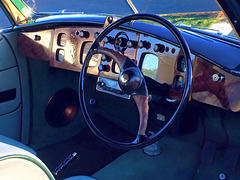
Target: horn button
130,80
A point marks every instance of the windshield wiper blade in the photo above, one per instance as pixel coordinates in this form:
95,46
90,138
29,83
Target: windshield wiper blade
132,6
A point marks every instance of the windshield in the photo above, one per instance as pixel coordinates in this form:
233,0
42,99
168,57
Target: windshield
119,7
198,14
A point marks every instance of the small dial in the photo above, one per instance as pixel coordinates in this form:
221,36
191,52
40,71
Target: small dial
115,68
120,42
181,64
179,83
62,39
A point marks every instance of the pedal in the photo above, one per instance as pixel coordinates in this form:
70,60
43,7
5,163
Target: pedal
230,158
208,152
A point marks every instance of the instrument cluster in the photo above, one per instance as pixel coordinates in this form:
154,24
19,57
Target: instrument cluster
66,48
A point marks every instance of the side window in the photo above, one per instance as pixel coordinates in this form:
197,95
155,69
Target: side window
4,22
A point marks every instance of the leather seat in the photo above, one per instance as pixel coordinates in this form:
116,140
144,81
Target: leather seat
13,142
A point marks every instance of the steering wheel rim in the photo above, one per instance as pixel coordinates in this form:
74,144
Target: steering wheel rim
187,86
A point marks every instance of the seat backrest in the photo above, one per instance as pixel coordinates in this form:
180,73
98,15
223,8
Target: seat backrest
17,164
13,142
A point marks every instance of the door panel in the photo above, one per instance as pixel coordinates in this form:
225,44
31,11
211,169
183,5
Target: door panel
22,65
10,124
9,86
7,59
10,92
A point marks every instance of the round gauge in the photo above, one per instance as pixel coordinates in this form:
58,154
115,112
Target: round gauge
181,64
120,41
179,83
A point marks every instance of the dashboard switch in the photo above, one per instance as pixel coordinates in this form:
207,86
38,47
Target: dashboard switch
144,44
96,34
159,48
132,44
102,67
104,57
108,39
83,34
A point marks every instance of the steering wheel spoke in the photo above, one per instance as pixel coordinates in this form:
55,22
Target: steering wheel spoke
143,109
119,58
132,82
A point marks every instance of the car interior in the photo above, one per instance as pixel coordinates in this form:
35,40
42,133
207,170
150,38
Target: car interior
104,97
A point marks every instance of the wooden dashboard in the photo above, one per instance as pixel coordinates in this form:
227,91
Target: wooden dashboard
66,48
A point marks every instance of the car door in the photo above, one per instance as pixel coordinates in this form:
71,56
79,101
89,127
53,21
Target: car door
14,87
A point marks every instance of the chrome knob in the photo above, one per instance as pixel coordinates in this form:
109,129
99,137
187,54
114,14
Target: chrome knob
104,57
108,39
131,44
218,77
159,48
83,34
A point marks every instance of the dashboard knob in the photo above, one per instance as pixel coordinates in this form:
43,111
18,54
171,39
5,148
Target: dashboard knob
108,39
102,67
131,44
218,77
83,34
96,34
104,57
144,44
101,83
110,19
159,48
37,38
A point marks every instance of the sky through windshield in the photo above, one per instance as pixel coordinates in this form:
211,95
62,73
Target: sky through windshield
198,13
121,7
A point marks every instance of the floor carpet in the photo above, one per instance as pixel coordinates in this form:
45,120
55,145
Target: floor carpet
93,154
178,160
211,172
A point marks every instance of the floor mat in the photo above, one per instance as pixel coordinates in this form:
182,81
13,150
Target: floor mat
93,155
177,161
212,172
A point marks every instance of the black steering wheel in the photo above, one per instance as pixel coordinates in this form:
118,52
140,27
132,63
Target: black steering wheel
132,82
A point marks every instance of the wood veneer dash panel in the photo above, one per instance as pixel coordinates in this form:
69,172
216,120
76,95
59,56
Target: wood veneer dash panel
224,94
38,49
72,48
